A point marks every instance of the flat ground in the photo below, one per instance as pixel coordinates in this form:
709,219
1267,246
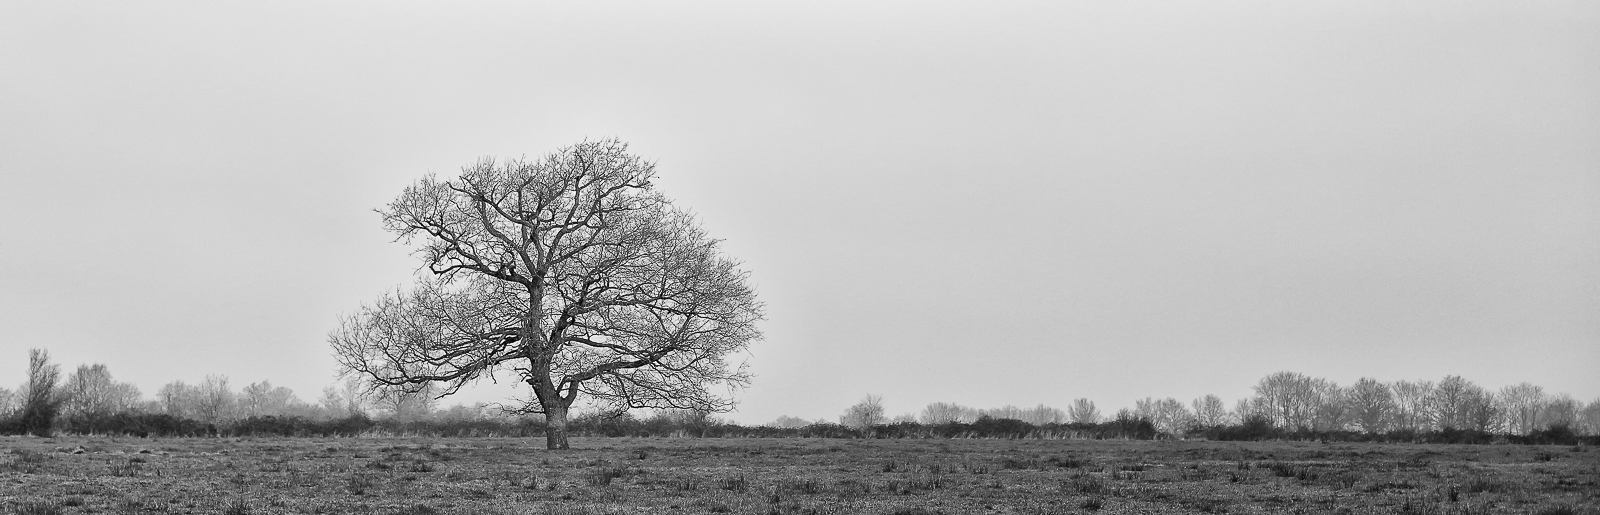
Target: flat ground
665,475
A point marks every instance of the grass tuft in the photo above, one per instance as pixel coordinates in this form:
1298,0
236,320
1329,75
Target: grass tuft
237,507
36,507
734,484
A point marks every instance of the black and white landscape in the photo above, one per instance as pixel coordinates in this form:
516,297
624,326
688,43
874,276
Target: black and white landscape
863,257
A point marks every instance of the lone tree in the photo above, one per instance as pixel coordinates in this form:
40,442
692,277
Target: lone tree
572,271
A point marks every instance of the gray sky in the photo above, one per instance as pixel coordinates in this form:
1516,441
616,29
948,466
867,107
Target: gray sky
985,203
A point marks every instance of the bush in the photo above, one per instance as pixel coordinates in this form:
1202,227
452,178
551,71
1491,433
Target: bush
1252,429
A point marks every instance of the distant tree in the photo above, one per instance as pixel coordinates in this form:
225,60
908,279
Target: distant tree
1125,415
253,399
355,398
263,399
573,272
462,413
1168,415
1174,415
282,401
8,403
41,396
867,413
1038,415
178,399
692,422
1482,411
1003,412
904,418
1329,405
331,403
1589,418
1412,405
1521,404
1042,415
788,422
214,401
1209,411
947,412
1082,411
1561,410
1252,409
90,391
1371,405
405,403
1450,402
1290,397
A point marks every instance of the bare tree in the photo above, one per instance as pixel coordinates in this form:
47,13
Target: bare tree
1329,405
1589,418
90,391
1482,411
1450,402
331,402
462,412
1246,410
1290,397
1082,411
947,412
346,399
788,422
1371,405
1561,410
1521,404
572,271
1003,412
867,413
1168,415
355,399
1209,411
1038,415
1412,407
214,400
282,401
41,398
178,399
8,403
253,399
405,403
1042,414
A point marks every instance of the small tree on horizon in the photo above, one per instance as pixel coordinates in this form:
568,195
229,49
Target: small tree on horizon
788,422
90,391
947,412
1371,405
1209,411
1082,411
865,414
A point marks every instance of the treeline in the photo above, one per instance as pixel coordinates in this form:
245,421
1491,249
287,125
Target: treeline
1285,405
91,401
1293,405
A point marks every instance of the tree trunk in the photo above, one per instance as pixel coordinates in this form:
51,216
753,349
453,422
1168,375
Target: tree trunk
555,427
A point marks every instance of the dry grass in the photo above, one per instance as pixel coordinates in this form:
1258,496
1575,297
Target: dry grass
781,476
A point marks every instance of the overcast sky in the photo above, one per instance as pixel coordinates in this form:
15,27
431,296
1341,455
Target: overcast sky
986,203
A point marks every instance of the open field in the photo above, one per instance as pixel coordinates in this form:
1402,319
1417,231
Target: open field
665,475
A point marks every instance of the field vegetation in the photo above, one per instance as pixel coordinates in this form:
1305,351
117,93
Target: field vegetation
1300,445
427,475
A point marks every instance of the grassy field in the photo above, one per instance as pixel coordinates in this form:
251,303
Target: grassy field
664,475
